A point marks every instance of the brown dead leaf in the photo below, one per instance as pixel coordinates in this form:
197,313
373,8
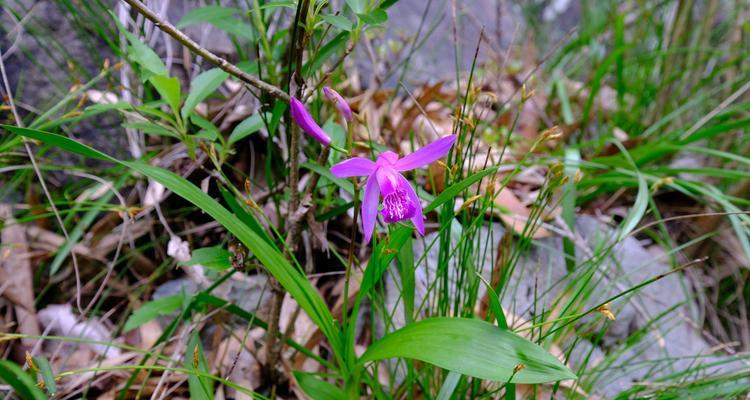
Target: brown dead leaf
42,239
19,276
237,363
517,214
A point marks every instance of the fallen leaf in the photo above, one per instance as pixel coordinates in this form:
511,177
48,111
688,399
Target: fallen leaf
19,276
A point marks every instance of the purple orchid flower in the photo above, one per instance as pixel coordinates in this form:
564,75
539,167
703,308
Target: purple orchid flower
400,201
341,104
303,118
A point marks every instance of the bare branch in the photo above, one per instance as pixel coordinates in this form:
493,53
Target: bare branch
212,58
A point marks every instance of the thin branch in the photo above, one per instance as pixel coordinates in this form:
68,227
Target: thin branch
212,58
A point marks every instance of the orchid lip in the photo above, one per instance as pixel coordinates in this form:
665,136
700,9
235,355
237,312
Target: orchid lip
397,207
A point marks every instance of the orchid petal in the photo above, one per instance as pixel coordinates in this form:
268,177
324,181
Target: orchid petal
355,166
303,118
387,159
370,207
418,218
340,102
426,155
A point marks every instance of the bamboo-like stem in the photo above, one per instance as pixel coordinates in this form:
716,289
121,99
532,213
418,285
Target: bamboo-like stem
212,58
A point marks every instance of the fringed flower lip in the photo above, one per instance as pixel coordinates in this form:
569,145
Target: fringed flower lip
303,118
341,103
400,201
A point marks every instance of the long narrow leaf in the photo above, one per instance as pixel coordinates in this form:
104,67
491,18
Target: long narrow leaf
471,347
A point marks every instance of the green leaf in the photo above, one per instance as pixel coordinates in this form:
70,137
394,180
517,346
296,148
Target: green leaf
456,188
375,17
449,386
210,257
318,389
48,377
338,21
382,256
637,211
274,4
247,127
405,262
495,305
222,18
326,173
207,14
141,54
328,50
290,278
201,87
386,4
471,347
209,131
244,216
358,6
201,387
151,310
20,381
641,200
151,128
169,90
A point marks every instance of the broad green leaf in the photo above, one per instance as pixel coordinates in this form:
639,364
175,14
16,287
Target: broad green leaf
318,389
201,87
169,90
201,387
151,310
456,188
290,278
20,381
338,21
147,59
208,131
210,257
471,347
141,54
375,17
48,377
247,127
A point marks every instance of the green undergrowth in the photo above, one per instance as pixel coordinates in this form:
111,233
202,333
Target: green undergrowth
651,108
